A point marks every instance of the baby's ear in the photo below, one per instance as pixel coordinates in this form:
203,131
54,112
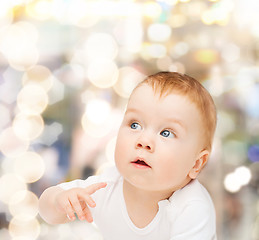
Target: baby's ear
199,164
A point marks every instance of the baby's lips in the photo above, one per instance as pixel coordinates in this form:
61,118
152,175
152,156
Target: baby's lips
141,161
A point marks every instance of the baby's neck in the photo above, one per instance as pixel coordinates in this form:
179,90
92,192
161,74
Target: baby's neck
142,206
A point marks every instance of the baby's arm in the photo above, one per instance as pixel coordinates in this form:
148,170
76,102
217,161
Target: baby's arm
58,206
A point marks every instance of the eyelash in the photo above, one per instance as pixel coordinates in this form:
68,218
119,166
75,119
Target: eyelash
169,130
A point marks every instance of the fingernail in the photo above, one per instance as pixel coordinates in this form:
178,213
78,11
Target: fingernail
71,218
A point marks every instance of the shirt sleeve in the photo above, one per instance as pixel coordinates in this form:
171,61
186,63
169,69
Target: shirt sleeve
195,221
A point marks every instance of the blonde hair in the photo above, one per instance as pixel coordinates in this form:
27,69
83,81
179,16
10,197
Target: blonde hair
165,83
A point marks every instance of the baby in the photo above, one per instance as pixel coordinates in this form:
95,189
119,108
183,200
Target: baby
163,143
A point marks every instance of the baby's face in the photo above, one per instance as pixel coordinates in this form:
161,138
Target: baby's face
159,140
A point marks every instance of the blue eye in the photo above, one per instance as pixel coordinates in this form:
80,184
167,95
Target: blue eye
135,126
167,134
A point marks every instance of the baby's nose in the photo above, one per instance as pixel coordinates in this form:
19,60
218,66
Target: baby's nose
144,142
139,145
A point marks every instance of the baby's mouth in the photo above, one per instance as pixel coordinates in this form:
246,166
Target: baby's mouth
141,163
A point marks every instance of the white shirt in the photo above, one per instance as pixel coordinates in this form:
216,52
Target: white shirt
187,215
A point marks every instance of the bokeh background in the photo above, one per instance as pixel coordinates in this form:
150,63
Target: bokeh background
67,68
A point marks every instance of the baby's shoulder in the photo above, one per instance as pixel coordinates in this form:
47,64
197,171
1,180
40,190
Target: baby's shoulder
193,197
191,210
194,191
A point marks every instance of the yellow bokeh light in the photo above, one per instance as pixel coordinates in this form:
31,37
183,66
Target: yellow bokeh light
128,79
38,75
28,127
24,228
11,145
10,184
206,56
24,203
32,99
30,166
103,73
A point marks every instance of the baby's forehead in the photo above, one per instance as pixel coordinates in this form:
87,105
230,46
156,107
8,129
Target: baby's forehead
157,93
149,94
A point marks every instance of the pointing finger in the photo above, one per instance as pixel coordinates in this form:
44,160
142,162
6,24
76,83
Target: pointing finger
94,187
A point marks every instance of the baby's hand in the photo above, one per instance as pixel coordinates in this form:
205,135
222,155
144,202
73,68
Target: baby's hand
77,200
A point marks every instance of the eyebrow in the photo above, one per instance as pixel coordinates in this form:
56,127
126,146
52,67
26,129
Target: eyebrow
174,120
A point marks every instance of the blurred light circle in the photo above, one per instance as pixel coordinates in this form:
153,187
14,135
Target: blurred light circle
151,9
10,184
18,45
5,116
230,52
164,63
30,166
6,13
180,49
41,10
96,130
11,145
72,75
24,228
32,99
11,37
128,79
57,92
177,67
28,127
159,32
98,110
231,183
24,203
30,31
25,58
82,14
244,175
103,73
206,56
39,75
101,45
155,50
70,12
